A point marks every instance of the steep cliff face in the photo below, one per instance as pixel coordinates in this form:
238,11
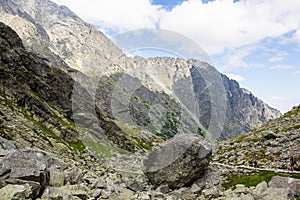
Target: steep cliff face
52,30
215,103
245,111
200,97
37,105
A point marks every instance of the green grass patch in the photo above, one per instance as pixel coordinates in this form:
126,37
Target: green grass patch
141,144
254,178
285,129
44,129
77,145
249,180
67,123
9,104
134,134
101,149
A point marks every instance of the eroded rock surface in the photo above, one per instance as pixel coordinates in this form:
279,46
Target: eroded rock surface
179,161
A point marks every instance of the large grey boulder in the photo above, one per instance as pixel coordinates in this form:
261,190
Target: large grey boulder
6,144
37,170
65,192
178,162
14,192
25,164
292,184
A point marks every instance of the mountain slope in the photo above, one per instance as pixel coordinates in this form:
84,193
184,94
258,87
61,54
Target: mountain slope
218,105
272,143
37,104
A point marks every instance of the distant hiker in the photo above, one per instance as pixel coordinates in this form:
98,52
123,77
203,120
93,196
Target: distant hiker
255,161
292,163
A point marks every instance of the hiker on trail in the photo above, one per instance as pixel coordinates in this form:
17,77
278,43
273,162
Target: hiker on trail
292,163
255,161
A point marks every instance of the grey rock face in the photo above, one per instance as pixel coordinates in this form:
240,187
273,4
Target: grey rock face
14,192
178,162
35,170
48,29
293,185
27,165
6,144
63,39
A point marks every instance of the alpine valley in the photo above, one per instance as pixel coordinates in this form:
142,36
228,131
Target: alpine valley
80,119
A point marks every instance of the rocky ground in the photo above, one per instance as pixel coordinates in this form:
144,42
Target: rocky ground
32,173
273,144
44,156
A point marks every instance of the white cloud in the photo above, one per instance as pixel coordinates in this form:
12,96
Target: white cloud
216,26
276,58
296,36
222,24
297,72
236,77
235,58
282,67
279,56
277,98
116,15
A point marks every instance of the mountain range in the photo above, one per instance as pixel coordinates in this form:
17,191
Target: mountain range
217,105
78,116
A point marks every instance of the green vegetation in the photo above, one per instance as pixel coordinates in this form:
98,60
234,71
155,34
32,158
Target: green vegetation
101,149
171,125
134,133
9,104
254,178
249,180
77,145
240,138
201,132
141,144
44,129
289,128
67,123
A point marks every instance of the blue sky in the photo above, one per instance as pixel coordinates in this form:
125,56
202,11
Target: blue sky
255,42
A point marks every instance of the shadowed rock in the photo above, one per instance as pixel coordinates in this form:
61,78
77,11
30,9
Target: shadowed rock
26,164
178,162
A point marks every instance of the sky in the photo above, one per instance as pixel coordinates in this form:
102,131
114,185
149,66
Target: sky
255,42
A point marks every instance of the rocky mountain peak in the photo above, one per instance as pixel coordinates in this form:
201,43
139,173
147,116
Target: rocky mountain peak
65,41
57,141
9,40
59,31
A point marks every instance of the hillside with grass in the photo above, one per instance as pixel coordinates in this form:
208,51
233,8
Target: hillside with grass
273,144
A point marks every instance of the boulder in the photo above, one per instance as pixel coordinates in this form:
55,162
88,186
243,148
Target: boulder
6,144
276,193
260,188
65,192
292,184
25,164
33,188
14,192
268,135
73,175
37,170
178,162
56,176
195,188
